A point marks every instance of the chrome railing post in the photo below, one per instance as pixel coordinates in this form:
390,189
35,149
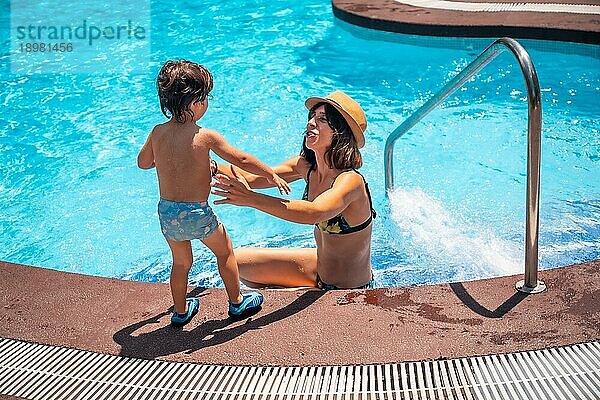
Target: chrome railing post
530,284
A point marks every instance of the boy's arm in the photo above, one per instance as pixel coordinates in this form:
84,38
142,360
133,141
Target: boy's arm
145,159
290,170
237,157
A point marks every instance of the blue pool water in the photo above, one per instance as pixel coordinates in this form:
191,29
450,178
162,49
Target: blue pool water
73,199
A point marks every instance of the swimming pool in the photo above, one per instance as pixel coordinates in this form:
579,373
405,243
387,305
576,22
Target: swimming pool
73,198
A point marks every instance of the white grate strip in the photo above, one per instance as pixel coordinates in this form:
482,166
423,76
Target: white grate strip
33,371
504,7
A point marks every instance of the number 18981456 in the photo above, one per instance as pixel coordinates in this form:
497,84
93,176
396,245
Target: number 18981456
36,47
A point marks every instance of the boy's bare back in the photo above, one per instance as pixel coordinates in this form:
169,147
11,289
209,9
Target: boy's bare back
181,155
179,149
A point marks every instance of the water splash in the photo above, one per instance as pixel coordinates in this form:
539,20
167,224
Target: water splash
451,240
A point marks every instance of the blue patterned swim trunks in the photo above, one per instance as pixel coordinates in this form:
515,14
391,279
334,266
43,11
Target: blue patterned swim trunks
186,220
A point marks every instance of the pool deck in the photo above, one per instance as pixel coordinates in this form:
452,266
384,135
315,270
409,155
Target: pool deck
311,327
304,327
428,19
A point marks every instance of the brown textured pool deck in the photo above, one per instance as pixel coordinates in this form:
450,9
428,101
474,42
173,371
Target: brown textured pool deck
311,327
394,16
302,327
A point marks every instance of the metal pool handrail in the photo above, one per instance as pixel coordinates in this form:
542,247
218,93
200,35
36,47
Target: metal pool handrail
530,284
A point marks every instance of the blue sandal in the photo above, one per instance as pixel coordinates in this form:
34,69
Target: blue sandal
250,304
179,320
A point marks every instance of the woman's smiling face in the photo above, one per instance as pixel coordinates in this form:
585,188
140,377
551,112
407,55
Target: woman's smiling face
318,132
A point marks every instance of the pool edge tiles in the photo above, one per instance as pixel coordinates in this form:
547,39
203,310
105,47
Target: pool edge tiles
299,328
394,16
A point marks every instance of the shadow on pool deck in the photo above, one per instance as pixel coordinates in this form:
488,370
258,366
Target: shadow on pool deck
468,300
166,340
306,327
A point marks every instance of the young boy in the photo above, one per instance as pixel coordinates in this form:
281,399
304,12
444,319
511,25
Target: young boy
179,149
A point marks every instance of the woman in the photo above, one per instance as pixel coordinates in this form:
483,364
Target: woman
336,200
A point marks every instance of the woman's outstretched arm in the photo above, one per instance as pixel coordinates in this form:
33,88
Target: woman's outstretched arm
346,189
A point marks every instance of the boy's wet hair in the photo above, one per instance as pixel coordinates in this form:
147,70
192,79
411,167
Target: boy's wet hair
181,83
343,152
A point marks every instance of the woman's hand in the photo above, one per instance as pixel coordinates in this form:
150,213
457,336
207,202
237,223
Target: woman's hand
281,184
234,191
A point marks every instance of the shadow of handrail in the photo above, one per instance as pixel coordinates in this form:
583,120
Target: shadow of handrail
468,300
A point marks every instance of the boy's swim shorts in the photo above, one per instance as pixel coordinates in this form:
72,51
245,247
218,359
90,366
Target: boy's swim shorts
186,220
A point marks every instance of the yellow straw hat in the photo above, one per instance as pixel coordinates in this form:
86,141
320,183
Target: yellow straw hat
350,110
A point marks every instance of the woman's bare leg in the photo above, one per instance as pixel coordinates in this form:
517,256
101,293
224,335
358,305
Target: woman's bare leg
277,267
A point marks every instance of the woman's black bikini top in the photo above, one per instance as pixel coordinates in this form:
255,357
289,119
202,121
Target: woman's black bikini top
338,224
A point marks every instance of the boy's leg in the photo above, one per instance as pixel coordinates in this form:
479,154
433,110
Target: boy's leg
220,244
182,262
277,267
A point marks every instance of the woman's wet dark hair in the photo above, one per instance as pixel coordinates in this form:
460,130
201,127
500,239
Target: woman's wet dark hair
181,83
343,152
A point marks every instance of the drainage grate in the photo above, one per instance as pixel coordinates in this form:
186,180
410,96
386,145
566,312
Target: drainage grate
34,371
